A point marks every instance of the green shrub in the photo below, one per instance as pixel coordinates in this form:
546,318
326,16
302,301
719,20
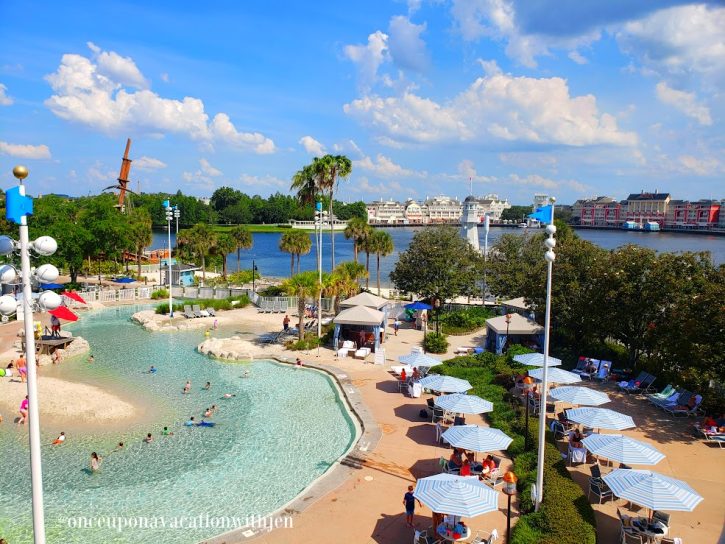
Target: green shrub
163,308
228,303
435,343
310,341
464,321
272,291
159,293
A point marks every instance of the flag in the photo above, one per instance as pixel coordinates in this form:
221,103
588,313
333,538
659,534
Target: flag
545,214
17,205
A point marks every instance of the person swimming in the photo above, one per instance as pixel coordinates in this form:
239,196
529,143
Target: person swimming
214,408
166,432
228,396
96,461
207,386
207,412
187,387
148,438
59,440
152,370
246,374
91,358
190,423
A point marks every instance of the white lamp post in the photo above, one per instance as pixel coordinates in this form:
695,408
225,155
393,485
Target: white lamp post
169,217
177,214
18,207
550,256
319,220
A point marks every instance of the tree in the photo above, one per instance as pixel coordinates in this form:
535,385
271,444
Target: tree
140,235
516,213
224,197
199,239
242,240
224,245
303,285
107,227
304,182
357,229
344,281
382,245
439,263
365,244
296,243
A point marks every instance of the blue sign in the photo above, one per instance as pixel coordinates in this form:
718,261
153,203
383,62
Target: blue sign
166,203
17,206
544,214
318,206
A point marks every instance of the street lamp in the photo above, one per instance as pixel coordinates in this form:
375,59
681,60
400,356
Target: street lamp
509,488
177,214
437,306
528,381
254,273
169,217
508,322
18,207
320,216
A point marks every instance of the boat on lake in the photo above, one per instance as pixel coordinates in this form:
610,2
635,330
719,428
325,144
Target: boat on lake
337,225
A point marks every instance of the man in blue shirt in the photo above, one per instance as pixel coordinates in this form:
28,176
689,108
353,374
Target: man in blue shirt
409,502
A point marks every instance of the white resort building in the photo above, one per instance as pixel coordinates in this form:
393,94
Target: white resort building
434,210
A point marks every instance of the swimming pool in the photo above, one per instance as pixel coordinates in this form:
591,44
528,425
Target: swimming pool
284,428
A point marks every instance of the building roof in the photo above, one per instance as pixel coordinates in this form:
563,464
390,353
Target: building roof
648,196
519,325
365,299
359,315
519,303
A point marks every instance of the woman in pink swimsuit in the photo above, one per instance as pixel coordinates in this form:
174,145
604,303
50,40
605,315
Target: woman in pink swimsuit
23,411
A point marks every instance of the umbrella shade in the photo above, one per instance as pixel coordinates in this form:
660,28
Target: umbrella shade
624,449
445,384
475,438
124,280
73,295
52,285
61,312
536,359
652,490
600,418
555,375
419,360
464,404
456,495
418,305
579,395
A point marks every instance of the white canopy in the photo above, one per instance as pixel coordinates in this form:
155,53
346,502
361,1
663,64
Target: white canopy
519,325
518,303
365,299
359,315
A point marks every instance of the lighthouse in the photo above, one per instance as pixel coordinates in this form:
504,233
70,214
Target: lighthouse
469,221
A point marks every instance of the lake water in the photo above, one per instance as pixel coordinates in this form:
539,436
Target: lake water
272,262
284,428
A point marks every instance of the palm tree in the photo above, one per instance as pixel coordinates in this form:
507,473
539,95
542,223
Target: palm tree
225,244
139,233
305,183
329,169
357,229
382,245
199,239
303,285
296,243
366,244
344,281
242,240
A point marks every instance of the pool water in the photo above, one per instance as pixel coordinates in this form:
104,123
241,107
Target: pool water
284,428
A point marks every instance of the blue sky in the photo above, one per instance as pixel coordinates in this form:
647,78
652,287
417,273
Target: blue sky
572,98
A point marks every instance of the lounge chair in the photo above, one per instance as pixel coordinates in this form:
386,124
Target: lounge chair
717,438
632,383
347,347
677,399
211,312
605,367
495,477
675,411
662,395
362,353
662,517
672,398
188,312
204,312
197,311
639,386
283,306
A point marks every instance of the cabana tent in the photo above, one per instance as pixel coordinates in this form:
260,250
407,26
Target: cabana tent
520,330
365,299
360,322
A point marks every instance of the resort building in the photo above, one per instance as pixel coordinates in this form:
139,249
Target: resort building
647,207
443,209
414,213
601,211
540,200
386,212
685,214
434,210
493,206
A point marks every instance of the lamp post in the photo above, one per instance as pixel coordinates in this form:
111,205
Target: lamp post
177,214
528,382
508,323
319,220
437,306
549,256
254,274
18,207
509,488
169,217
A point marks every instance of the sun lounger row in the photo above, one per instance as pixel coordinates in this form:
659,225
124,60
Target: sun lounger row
196,311
272,306
678,403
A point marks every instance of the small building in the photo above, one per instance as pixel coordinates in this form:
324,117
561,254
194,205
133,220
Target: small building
518,330
181,274
363,325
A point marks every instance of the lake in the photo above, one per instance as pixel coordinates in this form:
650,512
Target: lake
272,262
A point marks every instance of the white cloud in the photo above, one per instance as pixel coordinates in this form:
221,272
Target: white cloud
164,77
368,57
384,167
263,182
123,70
203,177
701,167
577,57
25,151
100,172
363,186
5,100
679,40
94,95
148,163
405,44
312,146
208,169
493,109
685,102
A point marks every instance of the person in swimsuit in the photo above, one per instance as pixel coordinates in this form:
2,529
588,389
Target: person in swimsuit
208,412
91,358
23,411
187,387
191,422
148,438
96,461
59,440
166,432
207,386
22,369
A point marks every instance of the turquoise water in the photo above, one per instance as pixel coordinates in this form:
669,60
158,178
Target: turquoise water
284,428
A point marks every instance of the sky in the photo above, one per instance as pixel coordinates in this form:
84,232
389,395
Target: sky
572,98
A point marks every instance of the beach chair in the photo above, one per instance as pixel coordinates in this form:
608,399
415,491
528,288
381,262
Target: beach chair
188,313
678,399
283,306
673,410
662,517
495,478
211,312
717,438
673,397
197,310
580,366
602,375
662,395
204,312
275,306
347,346
631,383
362,353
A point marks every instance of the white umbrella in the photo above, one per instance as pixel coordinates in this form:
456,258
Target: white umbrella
555,375
456,495
536,359
623,449
579,395
600,418
652,490
445,384
419,360
464,404
475,438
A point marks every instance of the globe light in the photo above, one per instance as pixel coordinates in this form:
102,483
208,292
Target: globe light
550,243
550,256
48,300
46,273
7,245
550,229
8,305
8,274
45,245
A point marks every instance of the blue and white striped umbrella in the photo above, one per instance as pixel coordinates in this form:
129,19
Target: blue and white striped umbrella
419,360
600,418
652,490
623,449
536,359
464,404
555,375
456,495
475,438
579,395
445,384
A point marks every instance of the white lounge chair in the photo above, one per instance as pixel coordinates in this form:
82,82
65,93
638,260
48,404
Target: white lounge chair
347,347
362,353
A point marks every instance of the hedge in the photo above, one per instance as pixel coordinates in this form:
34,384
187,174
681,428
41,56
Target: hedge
228,303
565,516
435,342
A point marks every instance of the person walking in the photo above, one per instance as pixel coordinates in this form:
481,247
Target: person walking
285,322
396,326
409,502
